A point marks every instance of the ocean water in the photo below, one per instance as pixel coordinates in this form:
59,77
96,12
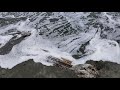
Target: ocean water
76,36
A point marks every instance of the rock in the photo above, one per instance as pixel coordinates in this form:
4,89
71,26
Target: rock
63,63
13,41
81,70
106,69
7,21
30,69
85,71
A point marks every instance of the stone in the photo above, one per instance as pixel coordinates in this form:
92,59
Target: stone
85,71
106,69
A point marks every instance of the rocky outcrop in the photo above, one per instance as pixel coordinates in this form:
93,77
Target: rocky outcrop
81,70
85,71
106,69
92,69
30,69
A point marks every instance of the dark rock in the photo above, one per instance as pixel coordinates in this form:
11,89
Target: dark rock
81,70
7,21
106,69
30,69
85,71
53,20
13,41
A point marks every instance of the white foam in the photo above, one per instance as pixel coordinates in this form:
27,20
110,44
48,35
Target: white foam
4,40
31,48
101,49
